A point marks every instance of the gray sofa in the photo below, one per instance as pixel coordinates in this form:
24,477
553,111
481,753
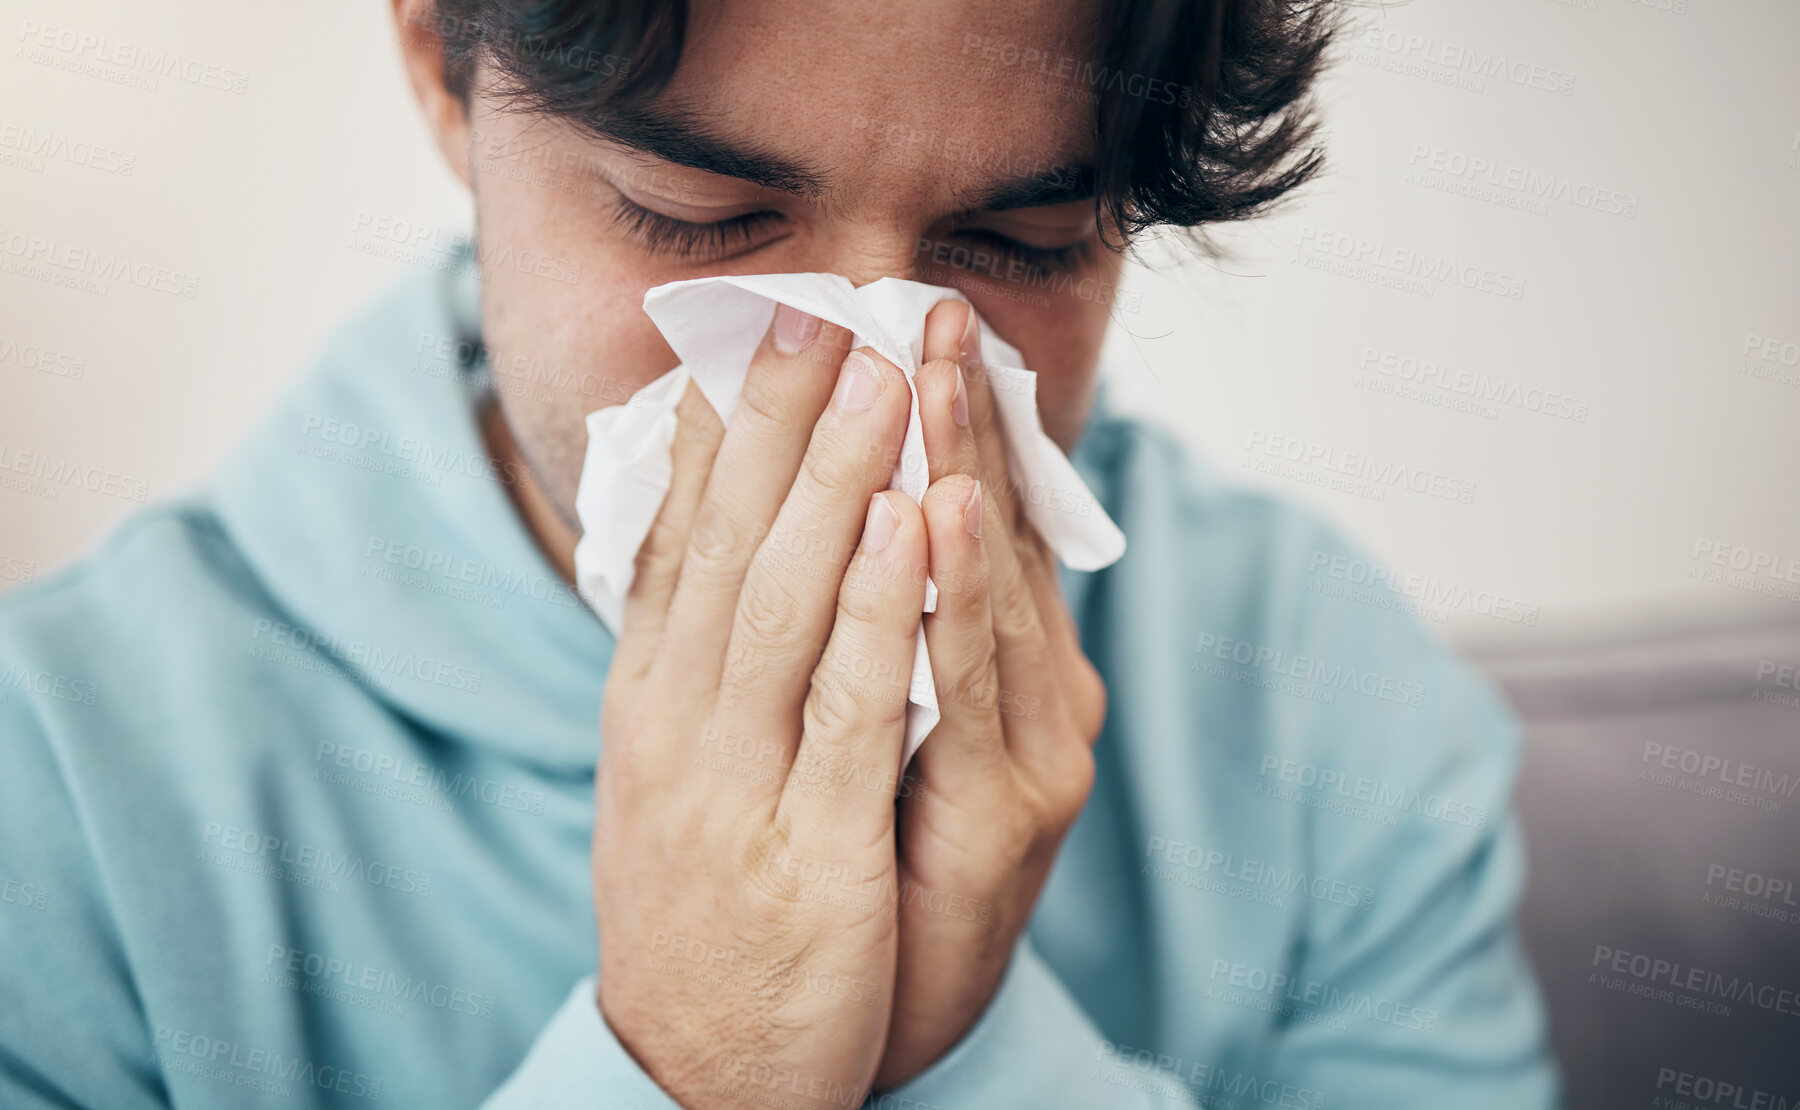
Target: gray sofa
1661,802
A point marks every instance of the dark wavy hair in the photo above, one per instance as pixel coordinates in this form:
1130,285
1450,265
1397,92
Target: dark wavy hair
1231,132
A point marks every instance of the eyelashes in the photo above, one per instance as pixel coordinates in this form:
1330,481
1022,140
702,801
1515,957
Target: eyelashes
662,234
720,239
1067,257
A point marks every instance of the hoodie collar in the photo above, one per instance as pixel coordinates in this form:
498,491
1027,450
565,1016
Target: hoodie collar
369,509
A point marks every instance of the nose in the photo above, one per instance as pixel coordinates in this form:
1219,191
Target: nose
865,253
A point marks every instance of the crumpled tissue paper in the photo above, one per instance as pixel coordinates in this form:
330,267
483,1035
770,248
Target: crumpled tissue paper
715,325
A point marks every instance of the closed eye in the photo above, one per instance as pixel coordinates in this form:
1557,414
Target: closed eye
701,241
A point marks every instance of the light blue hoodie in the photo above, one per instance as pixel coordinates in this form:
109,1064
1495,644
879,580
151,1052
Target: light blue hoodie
296,785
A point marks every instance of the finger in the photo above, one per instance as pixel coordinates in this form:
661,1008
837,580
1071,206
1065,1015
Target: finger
840,790
1025,663
1081,690
698,431
965,753
1071,680
791,589
790,379
984,425
944,394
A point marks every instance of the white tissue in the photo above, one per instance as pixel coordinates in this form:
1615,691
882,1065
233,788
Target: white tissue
715,325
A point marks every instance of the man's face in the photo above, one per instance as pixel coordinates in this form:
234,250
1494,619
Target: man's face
922,140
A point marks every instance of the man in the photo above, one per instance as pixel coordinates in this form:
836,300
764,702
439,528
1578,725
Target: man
302,777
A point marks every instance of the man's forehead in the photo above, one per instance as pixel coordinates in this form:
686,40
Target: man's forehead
848,99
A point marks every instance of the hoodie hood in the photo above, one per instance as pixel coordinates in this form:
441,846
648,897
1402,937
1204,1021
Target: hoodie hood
367,505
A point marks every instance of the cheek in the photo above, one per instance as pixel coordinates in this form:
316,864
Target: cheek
1058,331
562,317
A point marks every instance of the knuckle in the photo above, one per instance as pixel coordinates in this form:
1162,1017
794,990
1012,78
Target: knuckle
766,611
766,410
842,706
834,470
661,546
1074,782
1015,613
862,598
720,536
973,677
1090,701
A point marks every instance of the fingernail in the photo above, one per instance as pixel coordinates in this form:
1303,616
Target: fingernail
972,512
959,402
858,385
794,330
970,346
882,524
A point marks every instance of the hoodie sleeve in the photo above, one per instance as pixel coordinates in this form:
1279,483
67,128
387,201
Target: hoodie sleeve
1035,1047
72,1030
577,1062
1425,998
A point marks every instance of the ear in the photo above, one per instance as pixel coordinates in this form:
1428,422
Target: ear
422,49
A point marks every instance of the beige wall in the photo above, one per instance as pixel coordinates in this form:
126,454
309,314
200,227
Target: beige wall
1666,139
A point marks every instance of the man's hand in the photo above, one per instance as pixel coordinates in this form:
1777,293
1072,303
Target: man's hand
744,857
1008,767
769,917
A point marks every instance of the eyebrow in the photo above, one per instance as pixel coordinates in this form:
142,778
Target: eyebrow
1061,185
674,139
678,141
